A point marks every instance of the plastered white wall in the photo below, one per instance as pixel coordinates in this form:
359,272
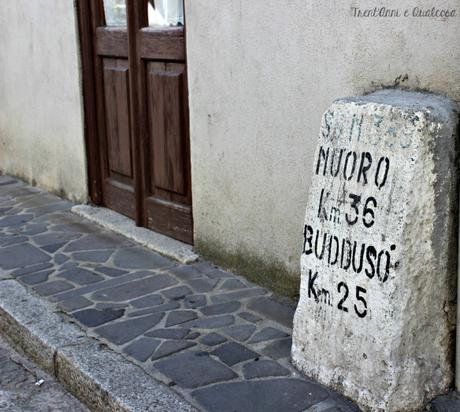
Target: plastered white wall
261,74
41,123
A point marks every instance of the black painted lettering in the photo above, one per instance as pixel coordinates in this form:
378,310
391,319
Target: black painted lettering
311,285
319,256
308,236
323,155
333,261
358,268
347,264
335,172
382,172
365,165
346,175
371,255
383,273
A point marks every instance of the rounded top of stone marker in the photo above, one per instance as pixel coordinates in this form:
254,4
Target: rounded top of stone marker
406,99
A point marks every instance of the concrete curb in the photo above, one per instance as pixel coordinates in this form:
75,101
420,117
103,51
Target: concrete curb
102,379
122,225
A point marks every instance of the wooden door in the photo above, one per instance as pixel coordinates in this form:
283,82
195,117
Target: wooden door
141,105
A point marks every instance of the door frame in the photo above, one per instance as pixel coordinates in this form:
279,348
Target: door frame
89,88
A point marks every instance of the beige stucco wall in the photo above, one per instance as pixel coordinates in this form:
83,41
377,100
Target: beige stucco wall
41,127
261,74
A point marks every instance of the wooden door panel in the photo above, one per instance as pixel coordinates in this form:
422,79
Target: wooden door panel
167,137
119,142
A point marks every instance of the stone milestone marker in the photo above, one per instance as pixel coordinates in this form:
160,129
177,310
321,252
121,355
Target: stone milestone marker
377,302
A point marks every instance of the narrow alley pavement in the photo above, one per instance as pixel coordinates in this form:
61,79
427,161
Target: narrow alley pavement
220,342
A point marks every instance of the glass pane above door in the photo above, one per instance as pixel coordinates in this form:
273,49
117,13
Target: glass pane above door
166,13
115,12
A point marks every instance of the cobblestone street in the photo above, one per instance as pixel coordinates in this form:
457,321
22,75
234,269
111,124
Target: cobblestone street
219,341
21,391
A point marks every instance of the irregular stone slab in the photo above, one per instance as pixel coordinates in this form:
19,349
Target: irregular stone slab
233,284
78,302
250,317
238,295
99,256
171,334
279,349
220,308
138,258
268,333
135,288
180,316
213,323
177,293
192,370
96,242
53,238
124,331
170,347
94,317
276,395
160,308
202,285
240,333
232,353
147,301
31,269
376,309
142,348
36,278
60,258
273,309
53,248
80,276
52,288
15,220
18,256
112,272
195,301
213,339
263,369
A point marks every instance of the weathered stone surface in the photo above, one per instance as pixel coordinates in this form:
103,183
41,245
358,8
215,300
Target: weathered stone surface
195,369
160,308
139,258
147,301
78,302
170,347
263,369
221,308
271,308
112,272
276,395
80,276
18,256
141,349
250,317
180,316
36,278
279,349
124,331
376,306
212,339
238,295
52,288
95,317
195,301
240,332
177,293
232,353
172,334
268,333
213,323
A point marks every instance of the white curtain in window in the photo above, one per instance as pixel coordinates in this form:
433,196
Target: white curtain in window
166,13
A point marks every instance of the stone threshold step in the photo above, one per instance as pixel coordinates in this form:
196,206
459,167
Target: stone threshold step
102,379
125,226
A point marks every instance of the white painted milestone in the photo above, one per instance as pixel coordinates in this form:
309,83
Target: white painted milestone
376,313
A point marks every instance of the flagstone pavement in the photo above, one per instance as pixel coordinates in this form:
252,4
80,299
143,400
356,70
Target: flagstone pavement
220,341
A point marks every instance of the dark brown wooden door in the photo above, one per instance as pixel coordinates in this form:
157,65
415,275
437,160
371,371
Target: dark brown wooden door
141,102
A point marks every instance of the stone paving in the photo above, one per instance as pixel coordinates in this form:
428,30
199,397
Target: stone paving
26,388
220,341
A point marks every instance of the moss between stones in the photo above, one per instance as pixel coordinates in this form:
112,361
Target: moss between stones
270,274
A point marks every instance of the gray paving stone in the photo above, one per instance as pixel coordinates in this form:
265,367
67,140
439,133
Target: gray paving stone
112,272
147,301
447,403
53,248
233,284
195,301
212,339
15,220
218,274
179,292
278,349
220,308
31,269
193,335
212,323
268,333
52,288
95,317
171,334
240,333
139,258
142,348
166,307
97,241
36,278
270,308
78,302
125,331
60,258
11,240
202,285
54,237
185,272
111,305
238,295
171,347
134,289
263,369
180,316
106,284
232,353
98,256
34,229
194,369
80,276
19,256
275,395
250,317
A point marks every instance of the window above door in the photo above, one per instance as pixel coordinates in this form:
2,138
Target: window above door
165,13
